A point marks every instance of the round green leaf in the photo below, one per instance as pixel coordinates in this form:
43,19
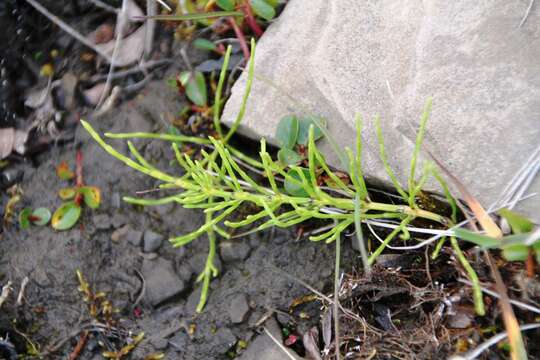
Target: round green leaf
66,216
293,188
303,129
227,5
263,9
287,132
67,193
288,156
41,216
24,222
91,196
195,85
204,44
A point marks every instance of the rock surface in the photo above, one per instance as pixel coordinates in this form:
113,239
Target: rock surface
337,58
161,281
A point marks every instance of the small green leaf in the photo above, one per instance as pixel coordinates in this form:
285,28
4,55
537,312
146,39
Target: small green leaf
293,188
263,9
67,193
516,252
204,44
41,216
288,156
63,171
518,223
91,196
478,239
227,5
24,221
287,132
195,85
303,130
66,216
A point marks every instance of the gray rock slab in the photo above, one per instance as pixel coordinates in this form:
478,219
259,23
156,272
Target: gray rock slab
339,58
162,283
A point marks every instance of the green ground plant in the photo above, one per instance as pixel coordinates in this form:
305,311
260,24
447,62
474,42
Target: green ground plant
219,183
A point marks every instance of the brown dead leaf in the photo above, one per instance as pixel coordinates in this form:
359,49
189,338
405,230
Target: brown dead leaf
19,142
92,95
7,139
103,34
133,10
130,50
310,340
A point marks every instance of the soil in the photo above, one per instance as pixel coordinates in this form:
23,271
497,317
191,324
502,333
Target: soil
409,309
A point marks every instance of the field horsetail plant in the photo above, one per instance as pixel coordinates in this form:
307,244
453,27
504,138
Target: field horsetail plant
219,183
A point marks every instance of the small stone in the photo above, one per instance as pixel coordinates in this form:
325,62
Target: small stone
162,283
222,340
179,341
238,309
234,251
198,263
118,220
134,237
193,301
163,210
102,221
185,272
120,234
116,202
461,320
159,344
152,241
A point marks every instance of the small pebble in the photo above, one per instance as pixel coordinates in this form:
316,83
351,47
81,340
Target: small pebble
102,222
234,250
134,237
238,309
152,241
120,234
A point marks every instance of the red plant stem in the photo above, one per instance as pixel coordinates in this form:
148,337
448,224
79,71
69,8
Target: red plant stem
79,176
78,168
530,264
79,347
240,36
250,18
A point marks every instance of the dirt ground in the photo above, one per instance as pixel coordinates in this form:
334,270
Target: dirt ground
54,307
